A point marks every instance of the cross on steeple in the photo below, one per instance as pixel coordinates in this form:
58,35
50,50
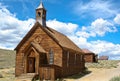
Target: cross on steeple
41,14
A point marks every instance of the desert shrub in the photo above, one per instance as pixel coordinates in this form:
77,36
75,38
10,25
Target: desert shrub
103,64
115,78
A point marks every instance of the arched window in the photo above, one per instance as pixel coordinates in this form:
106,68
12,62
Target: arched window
51,56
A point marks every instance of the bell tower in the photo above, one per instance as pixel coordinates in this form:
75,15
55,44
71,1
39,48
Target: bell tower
41,14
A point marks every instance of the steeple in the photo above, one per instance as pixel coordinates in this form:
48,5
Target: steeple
41,5
41,14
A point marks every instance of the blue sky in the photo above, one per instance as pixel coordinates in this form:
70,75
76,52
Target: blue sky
91,24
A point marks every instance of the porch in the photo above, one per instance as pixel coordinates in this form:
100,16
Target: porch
49,72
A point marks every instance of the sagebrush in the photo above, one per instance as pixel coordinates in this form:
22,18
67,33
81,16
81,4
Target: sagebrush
115,78
103,64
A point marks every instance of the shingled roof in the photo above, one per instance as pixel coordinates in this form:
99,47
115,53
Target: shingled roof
63,40
59,38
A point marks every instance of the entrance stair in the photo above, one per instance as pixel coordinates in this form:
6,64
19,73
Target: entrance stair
26,77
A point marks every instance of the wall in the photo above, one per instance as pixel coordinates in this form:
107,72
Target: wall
74,64
89,57
46,42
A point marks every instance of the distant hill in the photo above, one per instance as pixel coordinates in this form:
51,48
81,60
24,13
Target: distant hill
7,58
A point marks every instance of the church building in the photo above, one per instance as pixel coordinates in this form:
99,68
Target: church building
47,53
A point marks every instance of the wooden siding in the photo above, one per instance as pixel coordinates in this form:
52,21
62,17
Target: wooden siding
74,65
46,42
89,57
49,72
67,65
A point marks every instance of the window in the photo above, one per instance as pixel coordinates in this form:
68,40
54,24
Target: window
51,55
81,57
68,55
39,14
75,59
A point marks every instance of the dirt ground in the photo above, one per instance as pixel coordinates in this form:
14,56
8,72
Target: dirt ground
94,75
99,74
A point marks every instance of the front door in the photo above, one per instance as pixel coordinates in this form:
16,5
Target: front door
31,65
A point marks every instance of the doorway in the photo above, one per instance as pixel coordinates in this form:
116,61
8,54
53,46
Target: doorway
31,65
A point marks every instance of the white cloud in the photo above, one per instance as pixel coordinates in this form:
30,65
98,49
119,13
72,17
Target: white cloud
83,34
66,28
79,40
12,29
101,26
99,47
106,48
98,28
95,8
117,19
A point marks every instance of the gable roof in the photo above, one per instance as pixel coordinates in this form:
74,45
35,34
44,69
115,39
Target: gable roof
86,51
38,47
58,37
63,40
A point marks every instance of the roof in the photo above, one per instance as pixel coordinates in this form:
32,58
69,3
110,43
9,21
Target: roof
63,40
41,6
103,57
86,51
58,37
38,47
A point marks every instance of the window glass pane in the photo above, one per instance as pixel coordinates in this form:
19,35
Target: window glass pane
51,54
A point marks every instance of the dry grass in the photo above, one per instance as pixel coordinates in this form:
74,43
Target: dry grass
7,58
7,63
115,78
8,74
107,64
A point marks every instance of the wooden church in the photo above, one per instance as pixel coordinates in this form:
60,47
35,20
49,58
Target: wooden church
46,52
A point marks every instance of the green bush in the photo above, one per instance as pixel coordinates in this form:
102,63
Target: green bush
115,78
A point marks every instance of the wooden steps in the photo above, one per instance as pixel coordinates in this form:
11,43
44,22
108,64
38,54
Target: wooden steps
26,77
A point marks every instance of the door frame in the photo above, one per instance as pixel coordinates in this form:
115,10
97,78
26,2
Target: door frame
31,61
36,60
